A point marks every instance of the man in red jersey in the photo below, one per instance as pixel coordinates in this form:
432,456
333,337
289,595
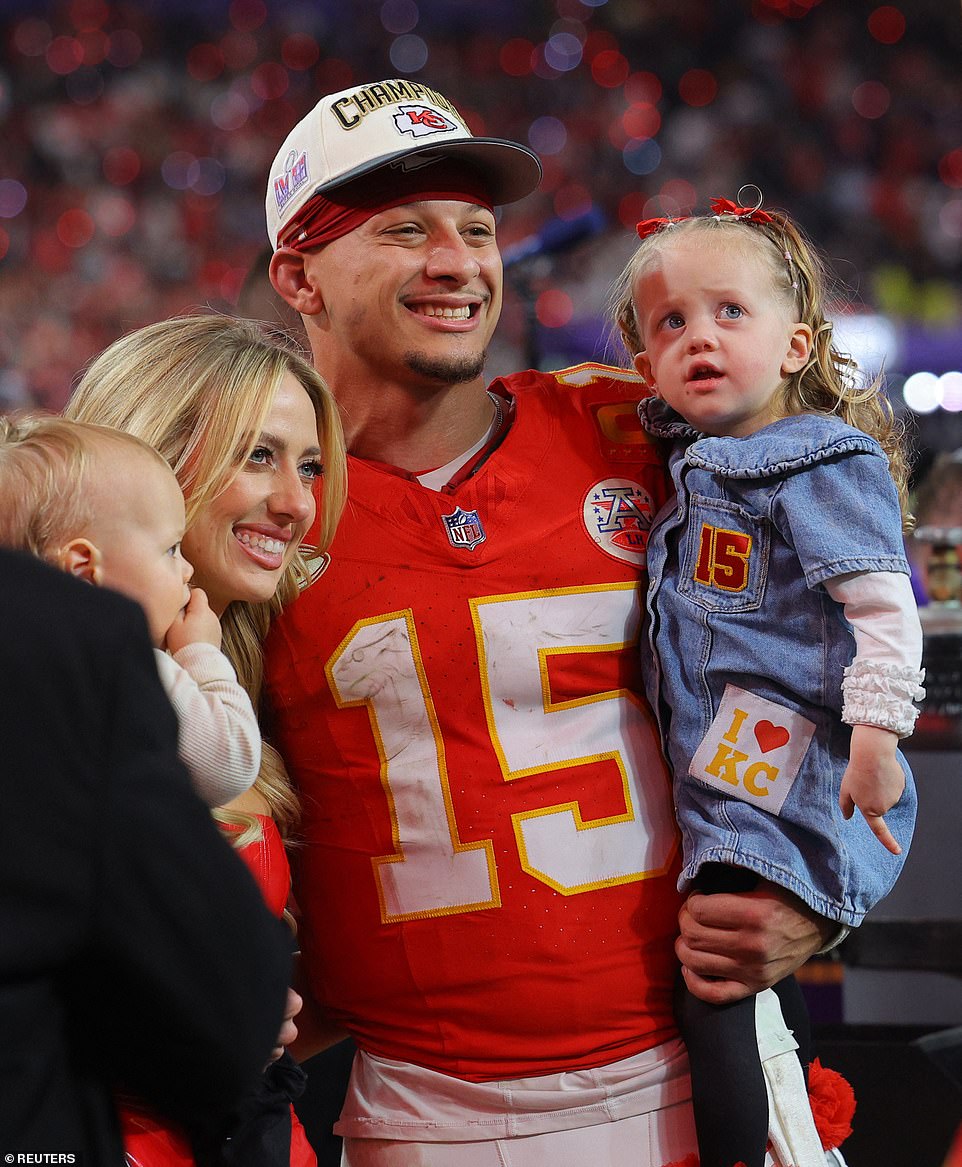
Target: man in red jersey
488,873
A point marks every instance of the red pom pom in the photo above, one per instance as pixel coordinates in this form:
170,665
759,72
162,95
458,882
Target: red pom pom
833,1104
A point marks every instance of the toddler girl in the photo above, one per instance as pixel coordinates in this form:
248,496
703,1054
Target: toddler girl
785,642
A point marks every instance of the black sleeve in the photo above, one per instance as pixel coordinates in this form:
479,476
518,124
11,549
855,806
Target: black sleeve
188,967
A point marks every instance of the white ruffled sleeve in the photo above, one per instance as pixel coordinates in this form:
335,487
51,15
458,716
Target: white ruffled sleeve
884,680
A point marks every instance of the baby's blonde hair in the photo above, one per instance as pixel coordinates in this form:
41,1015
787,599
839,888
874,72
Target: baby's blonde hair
829,382
198,389
46,465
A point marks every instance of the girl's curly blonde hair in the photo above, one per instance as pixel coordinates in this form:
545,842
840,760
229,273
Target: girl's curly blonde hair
829,382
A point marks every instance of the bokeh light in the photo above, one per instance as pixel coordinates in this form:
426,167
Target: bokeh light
950,168
31,37
921,392
697,87
609,69
205,62
208,177
563,51
642,157
229,111
13,198
554,308
643,87
547,135
75,228
950,219
399,16
94,44
887,24
270,81
300,51
409,53
114,215
88,13
247,15
678,197
871,99
641,120
179,169
64,54
121,165
950,386
515,57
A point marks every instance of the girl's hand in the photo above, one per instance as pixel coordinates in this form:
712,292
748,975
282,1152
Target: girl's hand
873,780
195,624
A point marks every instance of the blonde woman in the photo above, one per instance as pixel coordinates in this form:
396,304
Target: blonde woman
254,439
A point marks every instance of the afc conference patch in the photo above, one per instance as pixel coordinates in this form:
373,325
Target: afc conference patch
464,529
617,514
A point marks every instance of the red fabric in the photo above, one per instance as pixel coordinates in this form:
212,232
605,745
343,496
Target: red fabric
955,1152
267,860
381,678
727,207
649,226
833,1104
326,217
149,1142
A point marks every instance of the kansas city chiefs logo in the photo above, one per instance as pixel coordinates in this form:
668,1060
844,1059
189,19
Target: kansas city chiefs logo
420,121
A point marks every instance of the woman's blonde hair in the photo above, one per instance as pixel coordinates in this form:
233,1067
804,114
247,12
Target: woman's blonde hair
46,463
829,382
198,389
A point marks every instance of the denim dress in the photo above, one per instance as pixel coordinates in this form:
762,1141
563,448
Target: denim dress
749,650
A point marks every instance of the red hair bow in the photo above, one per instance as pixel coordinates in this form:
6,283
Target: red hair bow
727,207
649,226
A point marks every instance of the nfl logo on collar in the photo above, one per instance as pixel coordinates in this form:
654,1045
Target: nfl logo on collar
464,529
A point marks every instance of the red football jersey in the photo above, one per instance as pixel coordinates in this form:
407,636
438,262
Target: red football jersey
487,879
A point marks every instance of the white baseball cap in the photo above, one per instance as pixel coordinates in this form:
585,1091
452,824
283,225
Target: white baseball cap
386,123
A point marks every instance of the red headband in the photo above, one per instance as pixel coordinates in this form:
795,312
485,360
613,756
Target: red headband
327,217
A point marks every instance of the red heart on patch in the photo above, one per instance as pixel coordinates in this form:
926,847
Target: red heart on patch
770,737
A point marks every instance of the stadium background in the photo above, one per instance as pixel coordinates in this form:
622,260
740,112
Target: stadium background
136,137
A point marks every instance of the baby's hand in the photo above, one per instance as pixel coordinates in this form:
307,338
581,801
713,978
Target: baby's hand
195,624
873,780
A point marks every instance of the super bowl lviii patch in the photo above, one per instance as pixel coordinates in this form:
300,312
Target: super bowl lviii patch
753,749
295,174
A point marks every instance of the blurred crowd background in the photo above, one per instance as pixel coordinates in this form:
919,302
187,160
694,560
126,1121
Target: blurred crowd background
137,134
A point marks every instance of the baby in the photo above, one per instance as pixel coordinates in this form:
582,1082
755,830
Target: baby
103,506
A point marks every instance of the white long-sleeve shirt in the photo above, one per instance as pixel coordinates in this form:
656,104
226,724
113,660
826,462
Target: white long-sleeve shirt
219,739
885,677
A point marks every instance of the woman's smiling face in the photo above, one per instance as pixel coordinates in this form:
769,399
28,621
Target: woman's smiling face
242,541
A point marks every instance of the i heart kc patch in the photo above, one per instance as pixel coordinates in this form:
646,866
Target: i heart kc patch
753,749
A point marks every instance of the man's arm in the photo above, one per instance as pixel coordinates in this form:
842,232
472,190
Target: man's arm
315,1030
734,945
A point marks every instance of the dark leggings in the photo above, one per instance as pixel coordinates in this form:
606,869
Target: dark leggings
727,1082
